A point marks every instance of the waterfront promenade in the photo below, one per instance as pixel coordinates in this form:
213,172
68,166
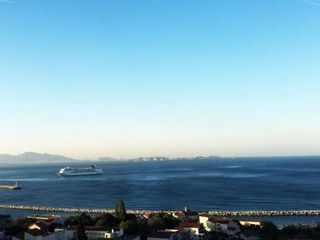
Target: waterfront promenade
141,212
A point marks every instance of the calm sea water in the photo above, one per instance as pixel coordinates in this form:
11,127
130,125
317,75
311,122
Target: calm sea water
226,184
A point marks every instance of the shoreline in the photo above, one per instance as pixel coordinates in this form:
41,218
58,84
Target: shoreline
246,213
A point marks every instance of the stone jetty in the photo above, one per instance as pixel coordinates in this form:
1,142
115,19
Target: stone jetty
10,187
142,212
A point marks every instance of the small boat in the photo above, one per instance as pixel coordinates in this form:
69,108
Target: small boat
69,171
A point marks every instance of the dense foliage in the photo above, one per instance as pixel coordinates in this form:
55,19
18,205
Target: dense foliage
162,221
120,210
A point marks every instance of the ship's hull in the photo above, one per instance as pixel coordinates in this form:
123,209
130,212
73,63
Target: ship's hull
70,172
79,174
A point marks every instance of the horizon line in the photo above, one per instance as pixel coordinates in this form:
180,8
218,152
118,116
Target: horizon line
163,156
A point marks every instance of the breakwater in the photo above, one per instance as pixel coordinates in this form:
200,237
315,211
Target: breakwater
274,213
10,187
142,212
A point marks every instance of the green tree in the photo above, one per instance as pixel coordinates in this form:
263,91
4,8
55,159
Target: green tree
161,221
85,219
290,231
129,226
14,230
106,220
143,227
120,210
269,231
81,232
156,222
202,228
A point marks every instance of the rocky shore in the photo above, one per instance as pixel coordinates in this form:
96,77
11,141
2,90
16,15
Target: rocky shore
142,212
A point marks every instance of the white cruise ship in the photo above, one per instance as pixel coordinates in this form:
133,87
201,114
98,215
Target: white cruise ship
68,171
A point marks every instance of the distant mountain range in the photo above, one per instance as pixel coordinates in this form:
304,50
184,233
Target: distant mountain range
34,158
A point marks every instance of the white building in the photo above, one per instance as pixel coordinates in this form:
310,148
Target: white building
92,232
38,235
214,224
38,231
190,230
65,234
95,234
234,230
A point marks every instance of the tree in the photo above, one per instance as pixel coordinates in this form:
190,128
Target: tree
156,222
81,232
120,210
202,228
290,231
129,226
85,219
161,221
106,220
14,230
143,227
269,231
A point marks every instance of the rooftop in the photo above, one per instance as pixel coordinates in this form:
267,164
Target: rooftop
219,220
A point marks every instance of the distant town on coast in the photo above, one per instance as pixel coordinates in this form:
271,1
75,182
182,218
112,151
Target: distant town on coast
45,158
33,157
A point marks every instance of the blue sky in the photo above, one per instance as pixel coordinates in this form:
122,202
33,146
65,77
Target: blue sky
128,78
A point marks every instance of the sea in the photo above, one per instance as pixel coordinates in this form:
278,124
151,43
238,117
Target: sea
256,183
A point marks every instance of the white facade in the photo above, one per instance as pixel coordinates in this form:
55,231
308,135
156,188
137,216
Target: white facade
92,234
28,236
234,229
210,224
98,234
191,233
65,234
204,221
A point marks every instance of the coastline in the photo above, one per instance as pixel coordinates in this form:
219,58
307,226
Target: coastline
246,213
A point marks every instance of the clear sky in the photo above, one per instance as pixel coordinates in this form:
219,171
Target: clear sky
128,78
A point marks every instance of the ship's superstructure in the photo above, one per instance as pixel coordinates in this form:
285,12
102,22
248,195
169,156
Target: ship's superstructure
69,171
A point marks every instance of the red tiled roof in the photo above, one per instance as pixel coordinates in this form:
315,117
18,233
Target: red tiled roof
51,219
179,214
190,225
219,220
147,214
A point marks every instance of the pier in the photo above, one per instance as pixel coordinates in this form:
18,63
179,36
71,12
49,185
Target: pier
141,212
10,187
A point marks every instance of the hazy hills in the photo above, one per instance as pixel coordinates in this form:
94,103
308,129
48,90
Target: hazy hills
32,157
46,158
